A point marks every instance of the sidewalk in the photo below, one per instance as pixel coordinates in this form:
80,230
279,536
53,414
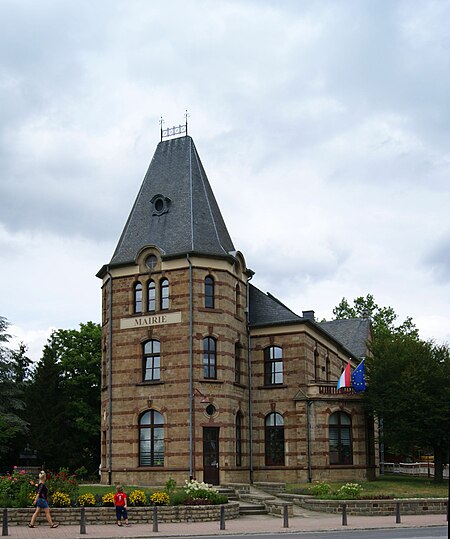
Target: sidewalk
307,522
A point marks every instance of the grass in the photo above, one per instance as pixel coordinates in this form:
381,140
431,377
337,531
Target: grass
389,485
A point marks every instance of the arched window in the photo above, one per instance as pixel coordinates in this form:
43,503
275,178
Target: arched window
237,363
152,361
209,292
274,439
137,298
239,418
340,435
151,439
209,358
273,365
151,296
164,289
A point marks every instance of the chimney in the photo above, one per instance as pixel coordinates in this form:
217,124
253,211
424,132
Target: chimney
308,314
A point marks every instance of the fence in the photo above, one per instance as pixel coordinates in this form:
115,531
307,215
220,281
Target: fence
412,468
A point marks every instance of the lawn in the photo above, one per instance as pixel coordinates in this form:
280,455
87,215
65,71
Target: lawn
390,485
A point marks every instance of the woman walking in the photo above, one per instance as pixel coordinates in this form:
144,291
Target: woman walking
41,502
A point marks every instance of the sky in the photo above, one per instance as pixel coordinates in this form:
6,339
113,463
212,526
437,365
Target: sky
323,127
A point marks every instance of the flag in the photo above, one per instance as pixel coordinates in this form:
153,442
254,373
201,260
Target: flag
359,378
345,379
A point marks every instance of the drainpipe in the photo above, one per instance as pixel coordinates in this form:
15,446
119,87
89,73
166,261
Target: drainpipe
191,377
110,378
249,368
308,431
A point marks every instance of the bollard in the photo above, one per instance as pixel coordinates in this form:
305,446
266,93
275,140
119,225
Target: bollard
344,514
83,521
397,514
155,518
285,516
5,522
222,517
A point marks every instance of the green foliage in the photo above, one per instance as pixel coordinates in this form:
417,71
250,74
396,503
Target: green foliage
178,497
16,489
12,406
62,482
383,318
68,375
349,491
170,485
320,488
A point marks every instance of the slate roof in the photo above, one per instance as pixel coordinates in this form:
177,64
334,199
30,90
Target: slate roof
266,310
353,333
192,223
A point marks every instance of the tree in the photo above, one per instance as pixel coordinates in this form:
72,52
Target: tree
68,378
407,378
409,387
383,318
12,404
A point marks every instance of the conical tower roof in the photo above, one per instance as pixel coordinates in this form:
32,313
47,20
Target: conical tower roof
175,209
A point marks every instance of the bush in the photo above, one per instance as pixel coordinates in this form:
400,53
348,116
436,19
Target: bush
170,486
108,499
349,491
62,482
16,489
138,498
178,497
87,500
197,501
60,499
159,498
320,488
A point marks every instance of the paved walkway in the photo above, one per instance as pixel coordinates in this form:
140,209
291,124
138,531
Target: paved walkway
306,522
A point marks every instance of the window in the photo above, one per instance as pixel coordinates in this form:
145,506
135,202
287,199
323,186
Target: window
151,296
273,365
151,439
209,292
274,440
239,418
138,298
237,363
164,294
316,366
209,358
152,361
237,301
340,434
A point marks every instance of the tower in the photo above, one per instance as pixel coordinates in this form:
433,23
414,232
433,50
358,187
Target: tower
204,375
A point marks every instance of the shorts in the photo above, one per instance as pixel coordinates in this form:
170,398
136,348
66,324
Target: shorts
121,512
42,503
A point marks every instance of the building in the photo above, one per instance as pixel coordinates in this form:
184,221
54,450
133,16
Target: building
204,375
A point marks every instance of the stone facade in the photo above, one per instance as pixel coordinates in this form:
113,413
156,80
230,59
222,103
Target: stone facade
214,426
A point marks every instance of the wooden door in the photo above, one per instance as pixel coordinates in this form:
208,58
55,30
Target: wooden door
211,455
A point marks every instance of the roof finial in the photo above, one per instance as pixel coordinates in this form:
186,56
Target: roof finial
175,130
161,121
186,116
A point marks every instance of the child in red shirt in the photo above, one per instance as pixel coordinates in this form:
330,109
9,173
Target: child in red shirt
120,501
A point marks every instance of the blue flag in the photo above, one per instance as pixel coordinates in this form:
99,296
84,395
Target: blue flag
359,378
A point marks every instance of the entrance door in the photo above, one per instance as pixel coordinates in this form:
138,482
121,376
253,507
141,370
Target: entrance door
211,455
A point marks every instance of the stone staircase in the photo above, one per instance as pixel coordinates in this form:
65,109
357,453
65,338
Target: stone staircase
255,501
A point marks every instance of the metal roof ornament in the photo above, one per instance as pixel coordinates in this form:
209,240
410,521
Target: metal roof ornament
176,130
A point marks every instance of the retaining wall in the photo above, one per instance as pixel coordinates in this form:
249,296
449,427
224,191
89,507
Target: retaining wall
137,515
